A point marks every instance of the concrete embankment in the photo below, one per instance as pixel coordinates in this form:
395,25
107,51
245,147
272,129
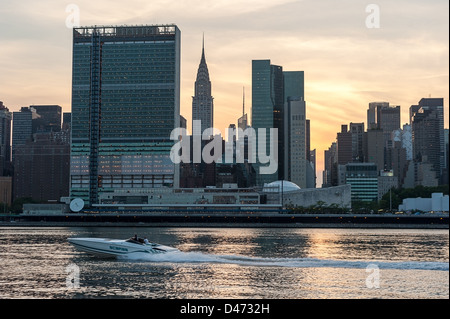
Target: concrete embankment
438,221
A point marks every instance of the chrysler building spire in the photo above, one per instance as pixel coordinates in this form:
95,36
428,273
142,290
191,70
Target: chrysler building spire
202,101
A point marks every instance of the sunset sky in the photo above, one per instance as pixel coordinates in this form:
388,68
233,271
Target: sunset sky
346,64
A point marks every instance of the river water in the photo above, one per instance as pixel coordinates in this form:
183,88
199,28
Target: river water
244,263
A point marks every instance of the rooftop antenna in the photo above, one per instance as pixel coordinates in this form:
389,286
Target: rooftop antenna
243,100
203,47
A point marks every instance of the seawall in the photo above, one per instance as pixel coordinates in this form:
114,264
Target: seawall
438,221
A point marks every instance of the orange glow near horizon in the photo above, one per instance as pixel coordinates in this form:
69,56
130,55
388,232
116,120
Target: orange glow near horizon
346,65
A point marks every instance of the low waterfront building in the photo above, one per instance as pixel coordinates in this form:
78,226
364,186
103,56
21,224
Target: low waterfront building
437,203
46,209
229,199
272,196
291,195
180,197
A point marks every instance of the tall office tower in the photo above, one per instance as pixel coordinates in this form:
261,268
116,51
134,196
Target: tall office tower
296,131
428,133
399,160
308,140
445,171
294,84
5,140
388,121
373,114
200,174
330,163
357,131
404,136
389,118
48,118
267,106
295,142
22,129
310,159
412,111
401,152
41,168
344,146
202,101
311,170
67,120
374,148
446,145
384,117
125,103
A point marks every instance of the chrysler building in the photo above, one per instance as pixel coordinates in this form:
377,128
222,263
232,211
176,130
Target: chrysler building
202,102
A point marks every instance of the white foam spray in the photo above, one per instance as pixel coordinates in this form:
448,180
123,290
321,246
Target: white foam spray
200,257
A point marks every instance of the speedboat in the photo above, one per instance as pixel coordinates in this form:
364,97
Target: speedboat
118,247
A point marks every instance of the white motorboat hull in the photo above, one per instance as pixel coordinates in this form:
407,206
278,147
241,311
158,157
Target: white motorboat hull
116,247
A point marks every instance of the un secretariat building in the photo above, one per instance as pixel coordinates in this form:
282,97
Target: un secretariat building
125,103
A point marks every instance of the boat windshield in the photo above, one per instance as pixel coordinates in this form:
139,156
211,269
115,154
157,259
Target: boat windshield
139,241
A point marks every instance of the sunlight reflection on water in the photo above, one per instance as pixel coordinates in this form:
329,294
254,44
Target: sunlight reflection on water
229,263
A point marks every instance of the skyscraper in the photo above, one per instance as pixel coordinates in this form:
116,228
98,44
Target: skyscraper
202,101
5,140
48,118
67,120
373,114
278,102
295,143
344,146
428,133
330,166
41,168
388,119
22,129
125,103
374,148
382,116
267,107
357,131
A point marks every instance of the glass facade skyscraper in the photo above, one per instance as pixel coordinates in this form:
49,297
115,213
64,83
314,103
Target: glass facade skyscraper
22,129
5,140
278,102
428,133
295,133
125,103
267,110
48,118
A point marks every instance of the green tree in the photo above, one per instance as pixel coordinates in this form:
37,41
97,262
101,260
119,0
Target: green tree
17,205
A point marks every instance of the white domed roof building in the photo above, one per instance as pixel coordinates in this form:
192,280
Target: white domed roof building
290,194
280,186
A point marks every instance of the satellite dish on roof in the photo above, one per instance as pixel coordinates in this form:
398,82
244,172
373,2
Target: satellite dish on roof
76,205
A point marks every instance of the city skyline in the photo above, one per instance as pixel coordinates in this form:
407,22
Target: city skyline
347,65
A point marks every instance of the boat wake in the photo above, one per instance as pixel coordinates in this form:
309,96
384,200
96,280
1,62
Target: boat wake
199,257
